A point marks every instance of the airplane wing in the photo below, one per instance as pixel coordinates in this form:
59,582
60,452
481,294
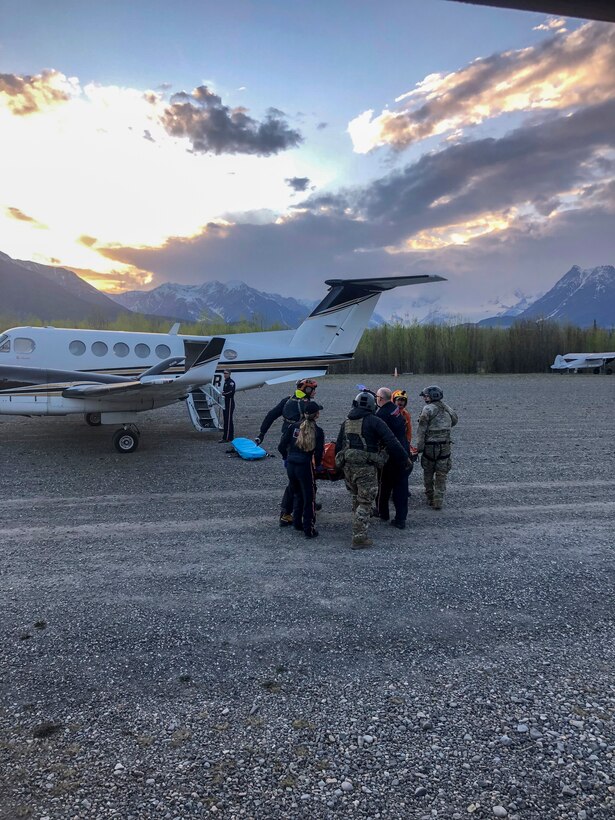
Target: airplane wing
154,386
41,375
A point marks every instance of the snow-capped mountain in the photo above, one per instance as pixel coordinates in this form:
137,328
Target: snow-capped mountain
230,302
581,297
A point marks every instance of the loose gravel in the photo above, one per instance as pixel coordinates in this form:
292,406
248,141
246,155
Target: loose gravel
167,651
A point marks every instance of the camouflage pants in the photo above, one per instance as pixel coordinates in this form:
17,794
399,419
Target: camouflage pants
436,463
362,481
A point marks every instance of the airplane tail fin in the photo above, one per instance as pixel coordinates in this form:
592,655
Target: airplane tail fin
201,360
336,325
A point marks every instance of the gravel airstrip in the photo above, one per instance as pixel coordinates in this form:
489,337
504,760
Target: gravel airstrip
167,651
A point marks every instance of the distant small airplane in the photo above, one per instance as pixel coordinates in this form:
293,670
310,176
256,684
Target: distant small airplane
596,362
110,376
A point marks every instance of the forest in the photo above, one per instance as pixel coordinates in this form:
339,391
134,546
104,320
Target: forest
526,347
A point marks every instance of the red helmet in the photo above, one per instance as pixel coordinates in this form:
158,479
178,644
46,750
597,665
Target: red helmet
309,383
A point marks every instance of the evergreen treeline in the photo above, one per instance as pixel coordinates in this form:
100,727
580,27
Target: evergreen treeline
526,347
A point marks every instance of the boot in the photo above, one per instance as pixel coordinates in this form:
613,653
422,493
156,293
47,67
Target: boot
360,542
437,503
429,499
286,519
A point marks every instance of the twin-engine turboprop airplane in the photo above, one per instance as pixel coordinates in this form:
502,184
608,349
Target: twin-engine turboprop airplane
596,362
105,397
110,376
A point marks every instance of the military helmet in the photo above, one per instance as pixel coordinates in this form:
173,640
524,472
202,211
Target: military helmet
365,400
432,392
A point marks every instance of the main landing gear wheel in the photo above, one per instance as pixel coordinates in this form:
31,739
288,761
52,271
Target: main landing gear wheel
125,440
93,419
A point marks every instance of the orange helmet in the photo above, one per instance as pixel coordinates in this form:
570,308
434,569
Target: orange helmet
399,394
310,383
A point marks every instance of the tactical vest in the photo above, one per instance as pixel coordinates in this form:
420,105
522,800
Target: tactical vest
356,450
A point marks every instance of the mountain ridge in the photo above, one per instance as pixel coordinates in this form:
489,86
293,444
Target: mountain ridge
582,297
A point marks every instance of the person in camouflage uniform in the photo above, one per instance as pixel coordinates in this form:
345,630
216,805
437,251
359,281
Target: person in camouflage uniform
434,443
361,447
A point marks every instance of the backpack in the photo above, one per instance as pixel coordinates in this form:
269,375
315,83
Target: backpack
329,471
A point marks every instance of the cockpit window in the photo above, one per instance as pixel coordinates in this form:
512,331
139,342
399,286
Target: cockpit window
5,344
23,345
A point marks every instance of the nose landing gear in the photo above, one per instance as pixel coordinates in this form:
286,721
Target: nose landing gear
126,439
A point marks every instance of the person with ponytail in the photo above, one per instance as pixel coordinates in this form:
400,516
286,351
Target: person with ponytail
302,446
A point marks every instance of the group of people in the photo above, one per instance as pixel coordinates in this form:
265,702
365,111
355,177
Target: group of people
373,450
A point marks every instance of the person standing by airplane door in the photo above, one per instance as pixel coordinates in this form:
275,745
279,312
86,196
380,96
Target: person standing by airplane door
228,392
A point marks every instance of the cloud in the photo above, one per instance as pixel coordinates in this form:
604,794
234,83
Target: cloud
552,24
537,169
215,128
114,281
563,72
491,215
32,94
298,183
16,213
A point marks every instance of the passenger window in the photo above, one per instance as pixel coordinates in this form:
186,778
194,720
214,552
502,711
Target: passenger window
163,351
142,351
24,345
5,344
120,349
76,347
99,349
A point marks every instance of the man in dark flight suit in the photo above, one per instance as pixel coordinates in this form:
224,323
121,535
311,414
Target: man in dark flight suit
228,391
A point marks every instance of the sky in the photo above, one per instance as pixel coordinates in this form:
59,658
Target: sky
283,144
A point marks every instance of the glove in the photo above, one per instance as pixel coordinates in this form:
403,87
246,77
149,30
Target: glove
319,469
257,440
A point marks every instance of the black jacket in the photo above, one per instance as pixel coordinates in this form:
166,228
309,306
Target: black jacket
228,389
289,450
289,408
394,420
376,434
271,416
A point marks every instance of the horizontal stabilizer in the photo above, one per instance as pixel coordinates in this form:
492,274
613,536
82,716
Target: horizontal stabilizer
345,292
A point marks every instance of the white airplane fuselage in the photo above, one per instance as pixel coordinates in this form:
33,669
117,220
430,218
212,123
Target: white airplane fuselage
253,358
